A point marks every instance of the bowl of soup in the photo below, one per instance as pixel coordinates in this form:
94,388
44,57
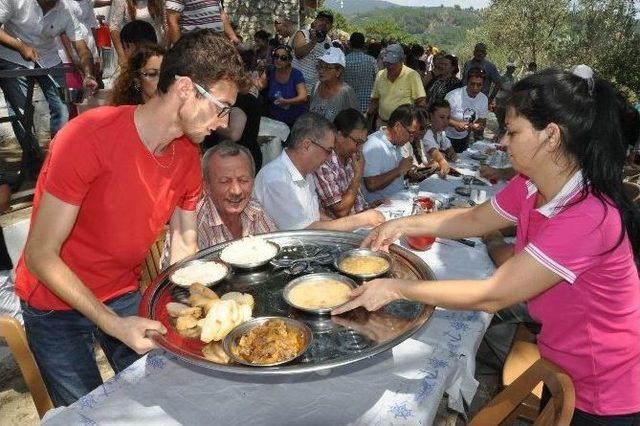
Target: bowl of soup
318,293
363,263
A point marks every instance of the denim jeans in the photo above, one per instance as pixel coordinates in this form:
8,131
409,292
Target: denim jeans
15,93
62,344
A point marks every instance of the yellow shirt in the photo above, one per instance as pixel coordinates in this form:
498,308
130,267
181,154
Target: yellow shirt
404,90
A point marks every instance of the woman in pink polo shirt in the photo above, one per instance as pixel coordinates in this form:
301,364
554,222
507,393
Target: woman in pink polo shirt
573,259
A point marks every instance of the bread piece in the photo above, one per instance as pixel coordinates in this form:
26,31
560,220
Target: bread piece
190,333
213,352
176,309
197,288
241,298
219,320
186,322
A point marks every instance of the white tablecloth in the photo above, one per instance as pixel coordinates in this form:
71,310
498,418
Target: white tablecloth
403,386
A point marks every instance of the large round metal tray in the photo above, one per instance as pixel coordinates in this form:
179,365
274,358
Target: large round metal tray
337,341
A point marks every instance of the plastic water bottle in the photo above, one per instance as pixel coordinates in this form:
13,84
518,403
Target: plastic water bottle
278,95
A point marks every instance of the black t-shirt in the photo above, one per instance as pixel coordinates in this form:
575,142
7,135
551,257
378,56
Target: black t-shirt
5,260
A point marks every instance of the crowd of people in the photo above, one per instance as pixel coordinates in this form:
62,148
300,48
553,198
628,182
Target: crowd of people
177,152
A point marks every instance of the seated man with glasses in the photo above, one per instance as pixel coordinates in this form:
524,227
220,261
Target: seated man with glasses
339,178
385,164
286,188
114,176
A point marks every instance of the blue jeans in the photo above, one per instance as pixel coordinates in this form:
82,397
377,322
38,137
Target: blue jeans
15,93
62,344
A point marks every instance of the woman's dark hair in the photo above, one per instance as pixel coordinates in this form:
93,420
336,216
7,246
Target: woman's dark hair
454,63
349,120
405,114
589,118
374,49
262,35
285,47
124,90
138,33
438,103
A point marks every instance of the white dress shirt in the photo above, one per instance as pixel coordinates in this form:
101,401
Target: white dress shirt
380,156
24,19
288,197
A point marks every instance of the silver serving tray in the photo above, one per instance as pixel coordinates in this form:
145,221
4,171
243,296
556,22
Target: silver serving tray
337,341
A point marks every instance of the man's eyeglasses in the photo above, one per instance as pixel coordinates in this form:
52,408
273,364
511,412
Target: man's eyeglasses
325,149
153,74
225,110
357,141
285,58
412,134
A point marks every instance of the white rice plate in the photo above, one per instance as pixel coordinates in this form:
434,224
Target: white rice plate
248,251
203,273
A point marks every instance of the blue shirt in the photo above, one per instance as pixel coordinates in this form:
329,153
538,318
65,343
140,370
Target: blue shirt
286,90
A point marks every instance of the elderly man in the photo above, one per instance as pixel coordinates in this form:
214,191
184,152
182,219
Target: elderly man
112,179
309,45
227,211
385,165
286,187
395,85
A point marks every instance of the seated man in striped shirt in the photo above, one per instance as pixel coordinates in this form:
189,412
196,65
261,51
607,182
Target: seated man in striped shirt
227,210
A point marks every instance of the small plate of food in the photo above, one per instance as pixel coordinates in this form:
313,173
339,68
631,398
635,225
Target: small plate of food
318,293
363,263
267,341
249,253
206,272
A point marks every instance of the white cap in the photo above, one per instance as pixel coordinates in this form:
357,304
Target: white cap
583,71
333,55
512,63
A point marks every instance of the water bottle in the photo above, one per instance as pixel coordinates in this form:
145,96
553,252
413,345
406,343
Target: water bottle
278,95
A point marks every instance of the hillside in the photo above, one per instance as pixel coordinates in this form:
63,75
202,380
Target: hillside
353,7
445,27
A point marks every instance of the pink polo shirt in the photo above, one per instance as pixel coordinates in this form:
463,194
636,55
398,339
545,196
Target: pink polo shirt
591,318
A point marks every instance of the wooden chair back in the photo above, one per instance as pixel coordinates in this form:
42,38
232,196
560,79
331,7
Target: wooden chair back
151,265
504,408
11,330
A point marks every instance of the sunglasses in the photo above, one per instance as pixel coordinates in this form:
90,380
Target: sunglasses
149,74
285,58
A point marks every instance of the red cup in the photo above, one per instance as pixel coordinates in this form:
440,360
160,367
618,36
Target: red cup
423,243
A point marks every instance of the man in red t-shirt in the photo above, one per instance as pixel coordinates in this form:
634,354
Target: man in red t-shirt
113,177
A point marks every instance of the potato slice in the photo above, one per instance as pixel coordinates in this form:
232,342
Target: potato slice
176,309
186,322
204,291
241,298
213,352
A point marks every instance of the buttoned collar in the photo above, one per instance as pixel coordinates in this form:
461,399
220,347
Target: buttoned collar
295,174
213,217
568,192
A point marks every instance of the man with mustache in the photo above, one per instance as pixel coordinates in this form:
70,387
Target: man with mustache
227,211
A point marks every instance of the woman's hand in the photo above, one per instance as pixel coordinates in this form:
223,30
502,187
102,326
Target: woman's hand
281,101
373,295
381,237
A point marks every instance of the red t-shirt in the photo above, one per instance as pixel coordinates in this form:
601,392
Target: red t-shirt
98,162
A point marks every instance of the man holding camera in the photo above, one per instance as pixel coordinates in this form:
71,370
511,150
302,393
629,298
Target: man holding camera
309,45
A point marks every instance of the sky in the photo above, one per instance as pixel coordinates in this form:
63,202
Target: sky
462,3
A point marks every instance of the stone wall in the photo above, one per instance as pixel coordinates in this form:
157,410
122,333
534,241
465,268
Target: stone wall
254,15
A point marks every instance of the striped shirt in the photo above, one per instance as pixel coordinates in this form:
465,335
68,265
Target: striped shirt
212,230
332,181
360,73
197,14
307,65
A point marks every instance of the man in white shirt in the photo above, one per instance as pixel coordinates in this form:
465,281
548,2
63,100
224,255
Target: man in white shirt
384,166
286,189
309,45
27,40
469,109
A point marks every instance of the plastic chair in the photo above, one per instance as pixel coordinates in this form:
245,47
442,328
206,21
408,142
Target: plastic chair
506,406
11,330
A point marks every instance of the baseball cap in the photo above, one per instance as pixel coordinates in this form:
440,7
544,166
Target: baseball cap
512,63
583,71
333,55
393,54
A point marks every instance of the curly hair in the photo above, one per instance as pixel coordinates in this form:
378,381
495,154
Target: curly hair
124,90
205,57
